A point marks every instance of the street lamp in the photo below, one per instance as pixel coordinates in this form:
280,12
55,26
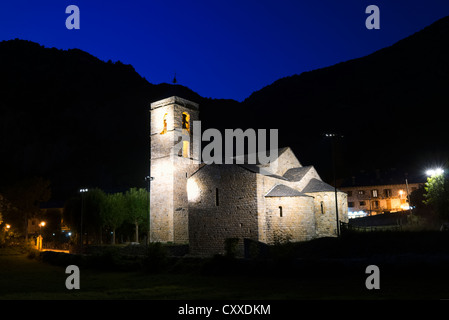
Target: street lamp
434,172
40,238
82,191
334,162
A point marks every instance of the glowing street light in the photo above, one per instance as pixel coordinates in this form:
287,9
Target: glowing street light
434,172
334,136
40,238
82,191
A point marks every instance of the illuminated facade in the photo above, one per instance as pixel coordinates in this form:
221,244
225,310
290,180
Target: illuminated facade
376,199
206,204
170,167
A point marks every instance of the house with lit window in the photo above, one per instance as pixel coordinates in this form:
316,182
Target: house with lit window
371,193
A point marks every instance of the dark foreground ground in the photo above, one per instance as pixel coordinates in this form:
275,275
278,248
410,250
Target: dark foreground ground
413,265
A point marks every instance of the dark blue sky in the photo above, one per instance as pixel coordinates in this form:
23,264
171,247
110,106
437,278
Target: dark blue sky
219,49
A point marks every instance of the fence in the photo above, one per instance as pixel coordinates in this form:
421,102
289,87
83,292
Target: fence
347,227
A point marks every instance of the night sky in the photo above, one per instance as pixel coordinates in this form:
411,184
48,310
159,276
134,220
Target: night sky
219,49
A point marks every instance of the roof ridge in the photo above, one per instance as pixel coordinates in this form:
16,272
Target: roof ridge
281,190
318,185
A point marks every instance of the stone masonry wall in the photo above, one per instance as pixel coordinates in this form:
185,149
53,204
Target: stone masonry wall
235,214
265,184
168,193
325,213
161,200
289,219
285,161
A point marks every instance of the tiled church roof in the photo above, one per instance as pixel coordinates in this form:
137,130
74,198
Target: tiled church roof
296,174
281,190
316,185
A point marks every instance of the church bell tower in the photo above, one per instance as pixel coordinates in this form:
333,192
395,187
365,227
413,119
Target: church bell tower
171,163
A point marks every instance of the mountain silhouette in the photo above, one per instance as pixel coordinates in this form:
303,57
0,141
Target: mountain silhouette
81,122
390,106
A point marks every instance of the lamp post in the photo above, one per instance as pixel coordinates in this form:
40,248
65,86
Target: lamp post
82,191
40,244
334,136
148,179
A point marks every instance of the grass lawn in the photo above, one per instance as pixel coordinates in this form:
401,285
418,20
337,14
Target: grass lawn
24,278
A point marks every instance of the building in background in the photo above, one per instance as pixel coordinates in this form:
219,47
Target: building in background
371,193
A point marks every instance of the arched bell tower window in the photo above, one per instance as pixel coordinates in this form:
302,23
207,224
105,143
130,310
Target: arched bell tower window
186,121
164,121
185,131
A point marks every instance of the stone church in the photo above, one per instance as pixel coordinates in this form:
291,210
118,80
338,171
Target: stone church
203,205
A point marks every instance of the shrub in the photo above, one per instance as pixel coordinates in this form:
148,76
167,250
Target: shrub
33,254
106,259
231,245
155,259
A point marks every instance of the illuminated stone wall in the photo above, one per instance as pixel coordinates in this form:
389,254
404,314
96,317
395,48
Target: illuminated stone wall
325,212
285,161
204,205
244,210
168,194
235,214
289,219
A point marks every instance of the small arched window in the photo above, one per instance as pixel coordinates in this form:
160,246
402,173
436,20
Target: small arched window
280,211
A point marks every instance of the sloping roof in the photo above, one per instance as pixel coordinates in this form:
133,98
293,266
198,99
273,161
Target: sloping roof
316,185
256,169
296,174
281,190
246,157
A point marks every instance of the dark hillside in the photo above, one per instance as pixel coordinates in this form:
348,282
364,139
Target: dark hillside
82,122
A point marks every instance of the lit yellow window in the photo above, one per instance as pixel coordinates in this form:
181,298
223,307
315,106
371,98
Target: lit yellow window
186,121
185,149
164,124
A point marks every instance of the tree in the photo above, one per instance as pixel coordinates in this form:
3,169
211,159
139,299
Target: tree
137,207
437,194
72,213
420,209
24,199
113,212
83,212
92,204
